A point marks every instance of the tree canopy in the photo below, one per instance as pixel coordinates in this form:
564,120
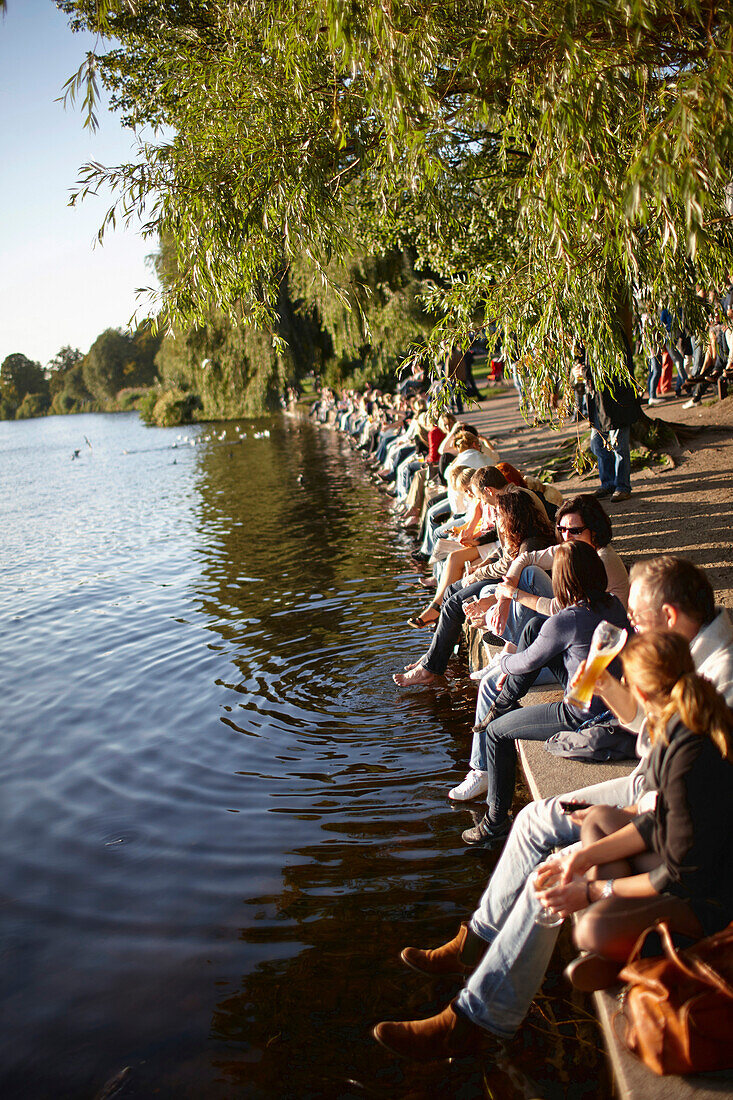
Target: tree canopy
20,376
542,161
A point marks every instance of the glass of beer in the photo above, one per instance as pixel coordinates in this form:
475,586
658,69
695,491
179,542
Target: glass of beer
607,641
545,917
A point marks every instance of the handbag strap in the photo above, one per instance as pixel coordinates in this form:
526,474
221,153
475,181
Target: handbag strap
690,964
638,946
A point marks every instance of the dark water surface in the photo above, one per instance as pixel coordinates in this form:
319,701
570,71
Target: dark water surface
220,820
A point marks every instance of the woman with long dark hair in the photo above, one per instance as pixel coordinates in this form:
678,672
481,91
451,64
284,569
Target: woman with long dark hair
527,591
521,524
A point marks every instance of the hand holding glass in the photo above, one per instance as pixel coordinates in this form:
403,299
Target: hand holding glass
548,874
607,641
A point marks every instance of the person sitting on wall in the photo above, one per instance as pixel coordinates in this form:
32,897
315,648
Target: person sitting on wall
502,942
503,951
672,862
526,590
559,643
521,525
475,547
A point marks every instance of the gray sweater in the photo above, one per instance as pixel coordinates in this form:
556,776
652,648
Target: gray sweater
618,578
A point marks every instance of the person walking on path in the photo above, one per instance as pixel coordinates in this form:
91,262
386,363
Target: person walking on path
611,412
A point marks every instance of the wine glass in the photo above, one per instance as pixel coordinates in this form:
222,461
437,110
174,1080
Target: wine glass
545,917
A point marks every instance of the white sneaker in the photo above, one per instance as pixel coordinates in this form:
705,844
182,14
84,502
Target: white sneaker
473,786
655,401
689,404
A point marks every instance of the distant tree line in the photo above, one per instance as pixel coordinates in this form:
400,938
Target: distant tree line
113,375
222,369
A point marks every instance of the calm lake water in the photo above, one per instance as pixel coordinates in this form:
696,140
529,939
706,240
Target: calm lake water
220,820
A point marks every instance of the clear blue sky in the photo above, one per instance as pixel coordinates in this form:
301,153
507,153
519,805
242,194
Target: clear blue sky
56,288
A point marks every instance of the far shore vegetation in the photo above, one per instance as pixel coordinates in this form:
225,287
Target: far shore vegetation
339,188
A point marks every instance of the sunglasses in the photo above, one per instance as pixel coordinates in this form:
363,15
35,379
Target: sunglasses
570,530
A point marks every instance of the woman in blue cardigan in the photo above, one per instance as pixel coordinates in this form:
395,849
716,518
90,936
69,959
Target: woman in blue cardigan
560,643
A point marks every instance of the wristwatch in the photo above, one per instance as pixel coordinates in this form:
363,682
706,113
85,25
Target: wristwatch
515,594
607,891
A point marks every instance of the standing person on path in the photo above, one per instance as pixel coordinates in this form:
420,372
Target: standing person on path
611,413
455,375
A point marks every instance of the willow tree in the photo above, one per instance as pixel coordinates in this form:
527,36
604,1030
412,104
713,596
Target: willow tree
546,162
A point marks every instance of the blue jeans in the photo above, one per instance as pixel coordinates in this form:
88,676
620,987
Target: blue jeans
405,472
534,580
655,373
450,624
494,749
488,692
515,687
612,450
455,395
679,361
498,994
397,453
384,441
437,516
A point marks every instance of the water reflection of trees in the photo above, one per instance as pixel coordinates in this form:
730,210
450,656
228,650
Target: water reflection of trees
269,525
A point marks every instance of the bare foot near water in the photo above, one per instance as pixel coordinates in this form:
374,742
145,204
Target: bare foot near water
417,676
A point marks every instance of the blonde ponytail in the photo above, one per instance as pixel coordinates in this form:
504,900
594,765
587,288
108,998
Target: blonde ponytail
702,710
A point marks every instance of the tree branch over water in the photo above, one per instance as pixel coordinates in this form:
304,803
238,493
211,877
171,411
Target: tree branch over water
542,161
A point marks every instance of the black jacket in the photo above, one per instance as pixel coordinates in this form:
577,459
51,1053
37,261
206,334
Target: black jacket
691,828
612,407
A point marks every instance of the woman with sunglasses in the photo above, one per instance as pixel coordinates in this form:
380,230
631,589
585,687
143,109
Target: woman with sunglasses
527,589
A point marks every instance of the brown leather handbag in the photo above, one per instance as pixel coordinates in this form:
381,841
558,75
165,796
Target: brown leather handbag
677,1010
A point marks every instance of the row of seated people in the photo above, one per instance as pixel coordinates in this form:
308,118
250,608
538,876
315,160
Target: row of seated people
699,361
713,360
651,845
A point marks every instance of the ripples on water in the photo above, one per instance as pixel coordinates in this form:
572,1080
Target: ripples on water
220,819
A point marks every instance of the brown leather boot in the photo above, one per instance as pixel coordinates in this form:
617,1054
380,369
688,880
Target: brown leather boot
457,958
450,1034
